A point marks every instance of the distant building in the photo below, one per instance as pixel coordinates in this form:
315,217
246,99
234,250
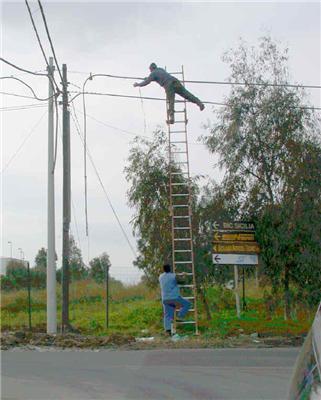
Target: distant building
4,261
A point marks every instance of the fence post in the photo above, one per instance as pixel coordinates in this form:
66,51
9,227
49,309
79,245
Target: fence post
29,294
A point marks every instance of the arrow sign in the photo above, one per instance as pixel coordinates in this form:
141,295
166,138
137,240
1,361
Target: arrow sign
234,237
236,259
215,225
216,258
239,247
234,226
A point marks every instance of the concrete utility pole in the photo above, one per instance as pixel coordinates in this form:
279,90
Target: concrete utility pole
66,202
51,252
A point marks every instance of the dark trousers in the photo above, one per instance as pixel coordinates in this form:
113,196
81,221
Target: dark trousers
177,87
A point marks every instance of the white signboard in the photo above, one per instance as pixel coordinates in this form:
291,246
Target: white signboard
236,259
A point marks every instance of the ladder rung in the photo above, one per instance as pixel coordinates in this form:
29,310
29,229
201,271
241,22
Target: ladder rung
180,194
179,141
182,251
178,152
179,111
178,173
180,205
179,228
180,122
179,162
180,240
188,298
185,285
181,216
190,310
178,132
186,322
176,73
178,184
183,262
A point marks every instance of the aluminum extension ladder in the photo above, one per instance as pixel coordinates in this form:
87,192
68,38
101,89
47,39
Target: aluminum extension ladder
181,208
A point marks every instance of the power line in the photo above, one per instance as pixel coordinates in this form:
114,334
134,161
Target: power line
28,86
23,143
135,97
135,134
22,107
257,84
16,95
40,44
49,38
163,99
215,82
113,127
105,192
22,69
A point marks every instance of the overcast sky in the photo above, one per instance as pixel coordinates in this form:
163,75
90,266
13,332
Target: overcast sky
122,39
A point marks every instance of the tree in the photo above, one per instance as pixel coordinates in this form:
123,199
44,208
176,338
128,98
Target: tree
98,267
17,273
147,172
261,138
77,267
41,260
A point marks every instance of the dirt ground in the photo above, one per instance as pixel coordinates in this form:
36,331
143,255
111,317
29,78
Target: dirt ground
36,341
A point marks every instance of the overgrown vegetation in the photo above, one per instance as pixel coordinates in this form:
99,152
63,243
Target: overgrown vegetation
137,310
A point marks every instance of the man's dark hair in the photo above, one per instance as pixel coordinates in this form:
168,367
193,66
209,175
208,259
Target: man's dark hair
167,268
153,66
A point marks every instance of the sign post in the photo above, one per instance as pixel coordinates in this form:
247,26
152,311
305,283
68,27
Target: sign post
234,244
237,297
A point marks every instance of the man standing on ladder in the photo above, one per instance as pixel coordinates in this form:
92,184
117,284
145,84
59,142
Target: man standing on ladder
171,85
171,299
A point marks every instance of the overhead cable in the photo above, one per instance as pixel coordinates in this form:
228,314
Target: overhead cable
29,87
40,44
105,192
49,38
22,107
163,99
22,69
16,95
217,82
23,143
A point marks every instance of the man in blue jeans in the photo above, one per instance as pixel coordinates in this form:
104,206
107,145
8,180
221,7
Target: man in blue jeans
171,298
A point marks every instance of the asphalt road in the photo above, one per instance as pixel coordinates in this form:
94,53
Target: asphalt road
147,374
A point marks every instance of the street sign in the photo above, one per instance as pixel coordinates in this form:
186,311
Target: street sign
233,237
247,247
234,226
236,259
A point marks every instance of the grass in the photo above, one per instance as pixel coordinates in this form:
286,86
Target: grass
137,310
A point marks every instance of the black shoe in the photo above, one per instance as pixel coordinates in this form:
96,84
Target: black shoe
201,106
168,332
170,121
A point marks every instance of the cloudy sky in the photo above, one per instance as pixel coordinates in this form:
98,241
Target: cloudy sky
122,39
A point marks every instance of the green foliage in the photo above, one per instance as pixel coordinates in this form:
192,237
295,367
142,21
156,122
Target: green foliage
17,274
99,267
41,260
147,172
131,313
77,267
268,144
